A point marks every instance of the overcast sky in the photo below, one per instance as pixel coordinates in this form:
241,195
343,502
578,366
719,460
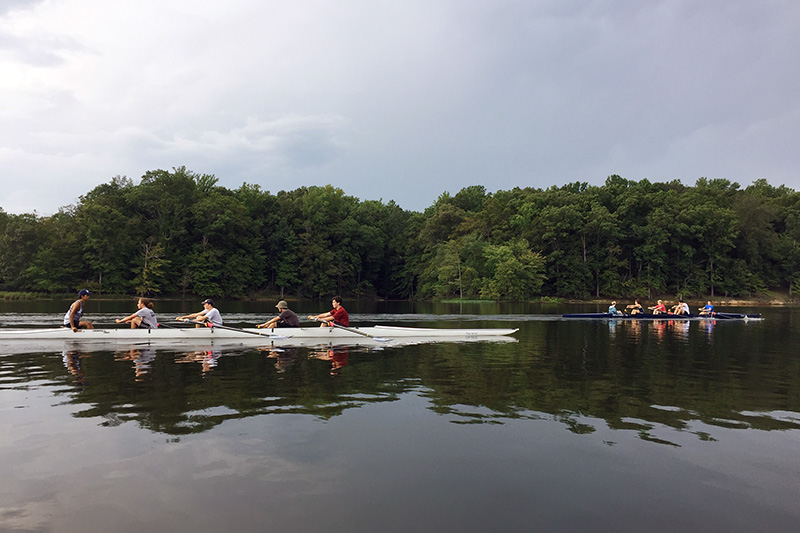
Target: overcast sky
395,100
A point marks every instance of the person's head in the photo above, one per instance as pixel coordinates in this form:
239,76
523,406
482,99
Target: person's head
660,301
83,294
144,302
282,305
336,301
208,302
613,303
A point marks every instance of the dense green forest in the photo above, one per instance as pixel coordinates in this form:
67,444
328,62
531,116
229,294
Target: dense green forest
179,233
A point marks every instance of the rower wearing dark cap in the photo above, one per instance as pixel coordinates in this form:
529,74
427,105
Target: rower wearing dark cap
75,312
209,315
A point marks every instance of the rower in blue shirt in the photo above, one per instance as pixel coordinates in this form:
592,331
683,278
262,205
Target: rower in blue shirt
612,309
707,309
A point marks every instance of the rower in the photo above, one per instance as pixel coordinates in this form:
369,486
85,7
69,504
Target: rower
658,308
635,308
707,309
209,314
145,317
286,319
612,309
682,308
338,314
75,312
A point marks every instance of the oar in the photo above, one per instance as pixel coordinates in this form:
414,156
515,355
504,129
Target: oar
268,335
351,330
722,315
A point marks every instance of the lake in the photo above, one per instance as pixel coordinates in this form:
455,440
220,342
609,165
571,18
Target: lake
576,425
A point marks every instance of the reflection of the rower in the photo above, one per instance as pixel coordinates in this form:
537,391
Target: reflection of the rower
660,329
681,329
72,361
337,355
284,357
634,329
709,327
141,357
612,328
207,358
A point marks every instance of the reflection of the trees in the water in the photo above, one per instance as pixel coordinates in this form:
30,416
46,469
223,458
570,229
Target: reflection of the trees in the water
652,377
166,396
649,377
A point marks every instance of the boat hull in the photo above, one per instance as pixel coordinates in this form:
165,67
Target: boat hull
244,334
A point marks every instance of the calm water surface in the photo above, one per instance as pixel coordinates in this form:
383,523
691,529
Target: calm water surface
575,426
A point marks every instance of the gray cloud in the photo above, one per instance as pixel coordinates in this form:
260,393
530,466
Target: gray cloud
402,100
8,6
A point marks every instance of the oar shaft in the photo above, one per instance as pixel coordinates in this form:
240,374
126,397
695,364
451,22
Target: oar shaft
260,334
351,330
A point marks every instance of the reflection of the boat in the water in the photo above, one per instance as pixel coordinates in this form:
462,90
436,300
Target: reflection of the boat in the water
245,343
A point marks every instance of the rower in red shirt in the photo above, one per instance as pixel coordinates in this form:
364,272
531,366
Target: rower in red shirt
658,308
338,314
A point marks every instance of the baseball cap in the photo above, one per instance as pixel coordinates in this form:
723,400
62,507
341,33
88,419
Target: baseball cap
208,301
84,292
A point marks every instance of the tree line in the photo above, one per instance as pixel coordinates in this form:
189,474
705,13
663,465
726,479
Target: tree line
178,232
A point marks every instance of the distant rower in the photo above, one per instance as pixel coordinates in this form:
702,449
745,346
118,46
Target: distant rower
707,309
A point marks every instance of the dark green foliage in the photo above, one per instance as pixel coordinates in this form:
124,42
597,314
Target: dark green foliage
178,232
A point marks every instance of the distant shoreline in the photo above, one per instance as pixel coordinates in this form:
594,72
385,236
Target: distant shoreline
773,300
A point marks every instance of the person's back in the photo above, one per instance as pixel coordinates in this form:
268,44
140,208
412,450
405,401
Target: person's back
212,315
288,319
148,316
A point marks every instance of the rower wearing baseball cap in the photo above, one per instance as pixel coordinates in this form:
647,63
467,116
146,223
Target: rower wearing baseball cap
286,319
209,315
75,312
